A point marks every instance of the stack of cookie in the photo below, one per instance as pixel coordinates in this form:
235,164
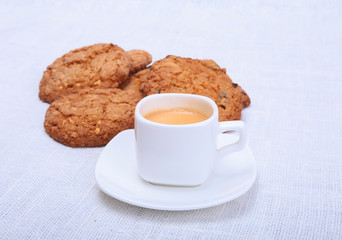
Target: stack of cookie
93,90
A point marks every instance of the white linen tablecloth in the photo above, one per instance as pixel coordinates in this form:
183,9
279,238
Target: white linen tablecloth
287,55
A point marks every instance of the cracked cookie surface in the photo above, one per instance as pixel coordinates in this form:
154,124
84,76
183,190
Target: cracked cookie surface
97,66
90,118
185,75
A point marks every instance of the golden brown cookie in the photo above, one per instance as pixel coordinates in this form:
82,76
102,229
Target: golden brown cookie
185,75
91,117
95,66
139,59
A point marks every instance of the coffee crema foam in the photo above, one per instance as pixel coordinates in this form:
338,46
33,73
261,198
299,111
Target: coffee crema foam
176,116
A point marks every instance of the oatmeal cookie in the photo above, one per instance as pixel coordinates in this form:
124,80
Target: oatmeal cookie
96,66
91,117
185,75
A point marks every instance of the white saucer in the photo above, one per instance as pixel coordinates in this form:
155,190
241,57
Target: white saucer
116,174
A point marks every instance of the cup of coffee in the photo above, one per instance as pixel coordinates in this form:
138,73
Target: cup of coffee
176,137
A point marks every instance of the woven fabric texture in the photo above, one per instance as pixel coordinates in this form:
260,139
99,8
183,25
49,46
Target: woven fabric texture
287,55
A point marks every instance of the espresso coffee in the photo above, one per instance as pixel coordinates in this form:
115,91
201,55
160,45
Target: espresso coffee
176,116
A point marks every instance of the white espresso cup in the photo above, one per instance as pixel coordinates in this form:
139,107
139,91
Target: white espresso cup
181,155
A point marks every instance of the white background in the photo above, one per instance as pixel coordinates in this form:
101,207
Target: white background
286,55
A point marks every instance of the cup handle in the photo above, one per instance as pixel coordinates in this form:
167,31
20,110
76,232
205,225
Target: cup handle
235,126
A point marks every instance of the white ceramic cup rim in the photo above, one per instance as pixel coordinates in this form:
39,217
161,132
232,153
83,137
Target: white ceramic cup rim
139,116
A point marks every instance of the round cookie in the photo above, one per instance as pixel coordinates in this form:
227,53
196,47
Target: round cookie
96,66
92,117
185,75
